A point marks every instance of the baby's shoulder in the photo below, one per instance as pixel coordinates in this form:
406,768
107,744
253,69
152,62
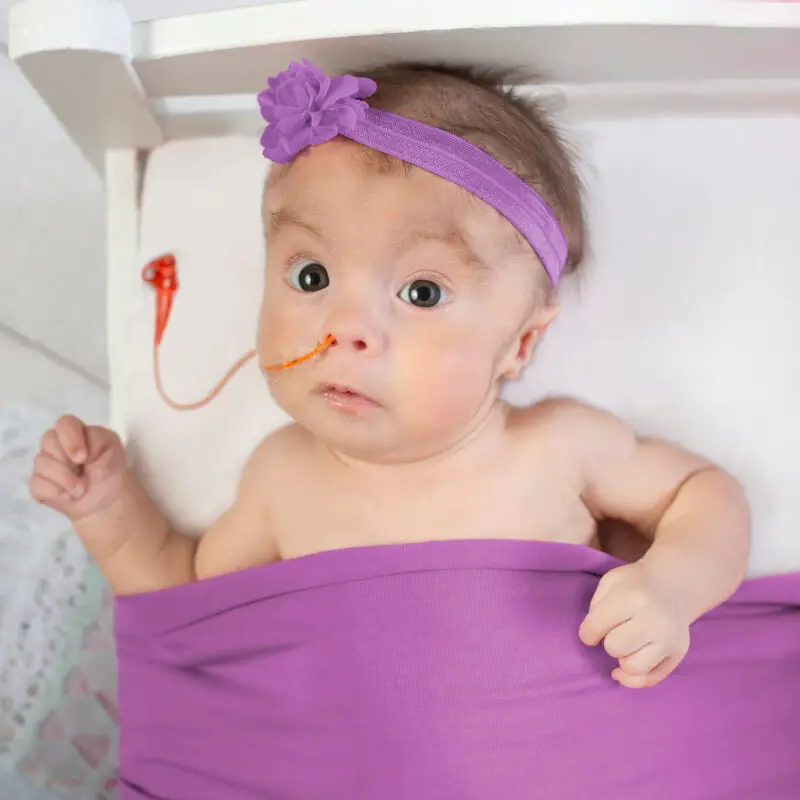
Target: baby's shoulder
243,536
553,413
277,453
286,439
567,424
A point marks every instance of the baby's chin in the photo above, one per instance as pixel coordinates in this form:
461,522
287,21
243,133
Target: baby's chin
371,438
368,441
388,443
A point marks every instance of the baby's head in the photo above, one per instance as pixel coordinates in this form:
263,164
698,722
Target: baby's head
434,298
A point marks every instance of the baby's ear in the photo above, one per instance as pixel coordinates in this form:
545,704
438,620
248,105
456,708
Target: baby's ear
526,340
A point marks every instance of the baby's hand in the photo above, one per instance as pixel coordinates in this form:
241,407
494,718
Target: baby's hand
79,469
642,625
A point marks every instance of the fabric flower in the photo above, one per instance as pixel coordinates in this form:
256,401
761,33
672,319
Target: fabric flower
304,107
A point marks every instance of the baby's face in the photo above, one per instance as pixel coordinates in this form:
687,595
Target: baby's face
429,296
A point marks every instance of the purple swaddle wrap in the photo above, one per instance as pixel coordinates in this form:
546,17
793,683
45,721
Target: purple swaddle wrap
445,671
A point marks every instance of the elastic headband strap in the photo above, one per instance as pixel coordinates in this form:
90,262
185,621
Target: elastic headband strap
304,108
460,162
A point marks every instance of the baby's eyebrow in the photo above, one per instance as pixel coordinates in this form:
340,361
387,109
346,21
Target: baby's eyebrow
451,235
285,216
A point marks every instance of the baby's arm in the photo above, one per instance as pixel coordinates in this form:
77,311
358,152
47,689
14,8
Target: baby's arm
133,545
241,538
81,471
697,517
152,556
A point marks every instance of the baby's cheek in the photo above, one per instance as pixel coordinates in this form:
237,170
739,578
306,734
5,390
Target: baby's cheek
447,385
268,326
283,333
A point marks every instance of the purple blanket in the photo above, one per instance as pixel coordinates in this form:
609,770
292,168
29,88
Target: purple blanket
446,671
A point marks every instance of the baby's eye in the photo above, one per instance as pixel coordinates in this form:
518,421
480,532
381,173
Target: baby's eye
309,276
422,293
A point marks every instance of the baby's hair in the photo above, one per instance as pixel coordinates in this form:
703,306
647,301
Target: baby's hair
476,105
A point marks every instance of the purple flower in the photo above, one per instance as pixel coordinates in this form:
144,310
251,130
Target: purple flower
305,107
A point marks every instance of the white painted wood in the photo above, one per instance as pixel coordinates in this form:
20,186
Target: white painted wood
298,20
607,56
225,115
572,41
123,178
596,102
51,232
40,25
200,115
48,384
76,54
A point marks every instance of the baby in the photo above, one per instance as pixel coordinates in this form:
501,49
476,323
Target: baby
436,286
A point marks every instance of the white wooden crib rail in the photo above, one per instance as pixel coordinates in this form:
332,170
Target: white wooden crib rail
114,85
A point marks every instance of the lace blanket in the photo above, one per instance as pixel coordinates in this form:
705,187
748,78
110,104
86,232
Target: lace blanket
57,666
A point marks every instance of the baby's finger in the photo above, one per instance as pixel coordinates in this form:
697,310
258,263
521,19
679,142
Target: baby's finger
628,638
72,437
601,620
59,474
52,446
644,660
665,668
604,586
101,442
103,466
45,492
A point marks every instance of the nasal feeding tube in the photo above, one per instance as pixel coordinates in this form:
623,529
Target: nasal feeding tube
162,275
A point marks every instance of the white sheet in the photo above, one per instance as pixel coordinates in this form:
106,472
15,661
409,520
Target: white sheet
684,321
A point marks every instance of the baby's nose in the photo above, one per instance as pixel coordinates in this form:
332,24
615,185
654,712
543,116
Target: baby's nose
358,322
365,344
362,336
356,344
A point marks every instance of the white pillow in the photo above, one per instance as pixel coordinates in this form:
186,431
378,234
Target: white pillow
201,201
683,321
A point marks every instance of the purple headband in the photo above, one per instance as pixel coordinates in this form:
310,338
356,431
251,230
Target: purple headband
306,107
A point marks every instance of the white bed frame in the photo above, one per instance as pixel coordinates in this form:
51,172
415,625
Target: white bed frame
120,89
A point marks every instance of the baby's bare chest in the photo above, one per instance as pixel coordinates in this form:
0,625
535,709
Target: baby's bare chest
314,514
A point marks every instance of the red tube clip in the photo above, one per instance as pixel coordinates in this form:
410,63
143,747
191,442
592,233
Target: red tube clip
162,275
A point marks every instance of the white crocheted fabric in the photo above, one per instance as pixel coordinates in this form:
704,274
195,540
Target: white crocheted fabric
57,670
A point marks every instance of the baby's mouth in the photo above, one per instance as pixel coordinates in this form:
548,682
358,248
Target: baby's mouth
345,398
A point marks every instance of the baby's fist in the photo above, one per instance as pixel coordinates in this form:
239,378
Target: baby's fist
78,469
641,623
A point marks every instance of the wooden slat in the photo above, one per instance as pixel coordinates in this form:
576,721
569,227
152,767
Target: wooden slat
123,176
76,54
104,79
571,41
223,115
